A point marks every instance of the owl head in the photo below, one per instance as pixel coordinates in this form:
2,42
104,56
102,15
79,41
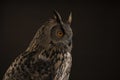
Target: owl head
54,33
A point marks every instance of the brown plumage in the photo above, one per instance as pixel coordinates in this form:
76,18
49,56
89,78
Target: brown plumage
48,57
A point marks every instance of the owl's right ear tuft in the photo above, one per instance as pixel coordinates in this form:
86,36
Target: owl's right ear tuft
69,18
57,17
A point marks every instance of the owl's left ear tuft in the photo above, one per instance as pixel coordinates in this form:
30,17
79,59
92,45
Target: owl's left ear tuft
57,17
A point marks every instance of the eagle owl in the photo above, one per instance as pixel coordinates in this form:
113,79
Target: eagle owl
48,56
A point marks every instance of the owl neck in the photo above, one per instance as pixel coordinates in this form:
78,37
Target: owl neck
52,53
35,46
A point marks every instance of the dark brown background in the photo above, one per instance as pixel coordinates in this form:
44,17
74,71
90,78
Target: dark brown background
95,27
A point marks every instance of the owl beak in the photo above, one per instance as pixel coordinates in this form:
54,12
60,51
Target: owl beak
69,42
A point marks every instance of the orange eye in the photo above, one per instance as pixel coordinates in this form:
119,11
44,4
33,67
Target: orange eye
59,34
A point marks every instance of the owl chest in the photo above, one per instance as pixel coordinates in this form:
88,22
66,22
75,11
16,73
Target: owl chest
63,68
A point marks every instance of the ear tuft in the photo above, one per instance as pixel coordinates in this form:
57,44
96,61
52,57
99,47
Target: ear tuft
57,17
69,18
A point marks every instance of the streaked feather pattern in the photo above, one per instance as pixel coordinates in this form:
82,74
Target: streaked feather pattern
48,57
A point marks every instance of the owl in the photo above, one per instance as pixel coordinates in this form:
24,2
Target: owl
48,56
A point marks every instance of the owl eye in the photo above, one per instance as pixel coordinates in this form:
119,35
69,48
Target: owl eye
59,34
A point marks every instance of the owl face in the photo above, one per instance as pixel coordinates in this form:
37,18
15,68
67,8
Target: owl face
61,34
